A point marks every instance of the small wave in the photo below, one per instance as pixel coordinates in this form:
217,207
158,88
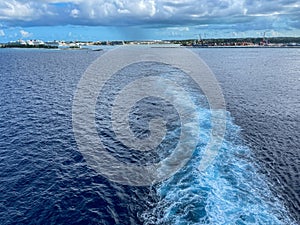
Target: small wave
230,191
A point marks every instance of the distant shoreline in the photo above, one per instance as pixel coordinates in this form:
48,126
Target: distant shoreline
257,42
151,46
284,46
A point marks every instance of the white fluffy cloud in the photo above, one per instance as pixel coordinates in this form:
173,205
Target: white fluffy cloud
149,12
25,34
2,33
18,10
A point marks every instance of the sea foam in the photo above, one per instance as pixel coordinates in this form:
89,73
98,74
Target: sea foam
229,191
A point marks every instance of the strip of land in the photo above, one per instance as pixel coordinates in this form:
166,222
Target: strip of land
275,42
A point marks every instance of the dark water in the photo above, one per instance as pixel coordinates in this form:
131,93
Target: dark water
44,179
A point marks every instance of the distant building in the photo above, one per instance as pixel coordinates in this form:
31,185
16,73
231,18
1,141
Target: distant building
53,43
17,43
35,42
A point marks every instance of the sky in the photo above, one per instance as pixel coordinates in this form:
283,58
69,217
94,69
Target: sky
93,20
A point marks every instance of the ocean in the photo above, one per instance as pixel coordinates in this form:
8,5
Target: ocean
46,178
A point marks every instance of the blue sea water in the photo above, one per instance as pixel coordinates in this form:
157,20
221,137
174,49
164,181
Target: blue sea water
229,192
44,179
261,88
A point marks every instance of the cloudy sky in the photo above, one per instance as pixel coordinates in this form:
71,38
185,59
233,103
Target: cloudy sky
146,19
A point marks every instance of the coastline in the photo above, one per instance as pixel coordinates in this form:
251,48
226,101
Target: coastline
255,42
151,46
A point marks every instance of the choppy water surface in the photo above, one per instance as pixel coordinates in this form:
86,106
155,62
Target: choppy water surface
44,179
262,90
